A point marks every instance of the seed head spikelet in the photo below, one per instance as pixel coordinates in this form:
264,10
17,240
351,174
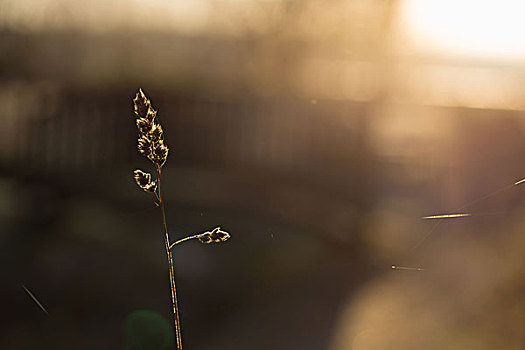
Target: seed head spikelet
145,146
144,181
215,236
144,126
143,107
151,142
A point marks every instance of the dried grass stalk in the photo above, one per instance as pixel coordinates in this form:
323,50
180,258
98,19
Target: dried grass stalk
151,144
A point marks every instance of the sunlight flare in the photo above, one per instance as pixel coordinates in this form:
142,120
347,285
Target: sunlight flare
473,28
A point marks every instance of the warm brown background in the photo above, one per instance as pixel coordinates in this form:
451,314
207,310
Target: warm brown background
311,131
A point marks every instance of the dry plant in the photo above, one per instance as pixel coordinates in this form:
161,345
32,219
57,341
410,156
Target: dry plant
151,144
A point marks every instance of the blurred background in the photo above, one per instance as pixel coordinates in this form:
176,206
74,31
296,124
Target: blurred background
317,133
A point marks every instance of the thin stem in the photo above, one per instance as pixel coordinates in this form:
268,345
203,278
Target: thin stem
173,288
184,240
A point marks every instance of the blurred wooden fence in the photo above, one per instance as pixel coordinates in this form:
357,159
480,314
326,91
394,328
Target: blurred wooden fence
77,130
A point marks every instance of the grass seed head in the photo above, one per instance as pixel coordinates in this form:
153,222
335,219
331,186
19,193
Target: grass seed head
151,136
144,181
215,236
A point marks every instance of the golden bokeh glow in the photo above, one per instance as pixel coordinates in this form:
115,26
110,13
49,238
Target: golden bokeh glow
486,29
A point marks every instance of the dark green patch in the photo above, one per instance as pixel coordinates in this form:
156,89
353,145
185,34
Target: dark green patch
147,330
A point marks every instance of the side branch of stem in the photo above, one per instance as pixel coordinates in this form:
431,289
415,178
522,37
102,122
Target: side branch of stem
182,240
